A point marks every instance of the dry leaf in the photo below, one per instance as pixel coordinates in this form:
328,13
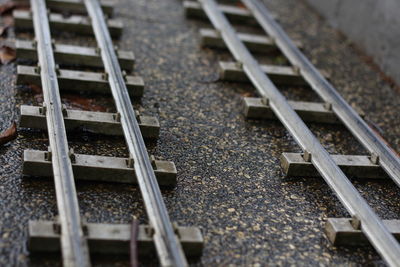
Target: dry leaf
3,30
9,134
240,5
7,54
35,88
70,100
82,103
7,7
248,94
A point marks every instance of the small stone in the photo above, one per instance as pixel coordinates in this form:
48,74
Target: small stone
240,235
329,137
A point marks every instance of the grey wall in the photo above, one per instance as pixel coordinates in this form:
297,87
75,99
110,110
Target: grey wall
372,24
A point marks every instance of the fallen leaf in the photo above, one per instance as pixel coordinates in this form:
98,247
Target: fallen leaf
35,88
7,7
82,103
240,5
70,100
9,134
7,54
3,30
248,94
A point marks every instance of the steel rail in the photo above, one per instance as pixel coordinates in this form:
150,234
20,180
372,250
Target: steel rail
371,225
168,247
389,161
73,243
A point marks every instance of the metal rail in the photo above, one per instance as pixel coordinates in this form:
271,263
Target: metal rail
168,247
372,226
73,242
389,161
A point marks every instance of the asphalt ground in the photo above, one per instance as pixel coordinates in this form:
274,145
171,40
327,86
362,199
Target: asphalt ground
229,180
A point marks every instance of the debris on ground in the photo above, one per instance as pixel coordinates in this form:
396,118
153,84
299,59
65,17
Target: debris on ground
9,134
7,54
6,14
35,88
9,6
8,21
72,101
82,103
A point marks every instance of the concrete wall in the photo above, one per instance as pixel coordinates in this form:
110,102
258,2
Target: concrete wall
372,24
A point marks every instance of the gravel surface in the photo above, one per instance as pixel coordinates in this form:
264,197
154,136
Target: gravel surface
229,180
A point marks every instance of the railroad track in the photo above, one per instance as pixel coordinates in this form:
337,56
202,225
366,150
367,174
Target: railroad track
70,234
364,225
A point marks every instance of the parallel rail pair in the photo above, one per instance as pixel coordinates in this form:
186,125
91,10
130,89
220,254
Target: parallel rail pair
315,159
78,238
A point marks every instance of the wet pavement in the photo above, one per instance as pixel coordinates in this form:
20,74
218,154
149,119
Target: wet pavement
229,180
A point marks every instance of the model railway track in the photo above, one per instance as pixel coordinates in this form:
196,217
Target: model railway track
75,238
314,160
